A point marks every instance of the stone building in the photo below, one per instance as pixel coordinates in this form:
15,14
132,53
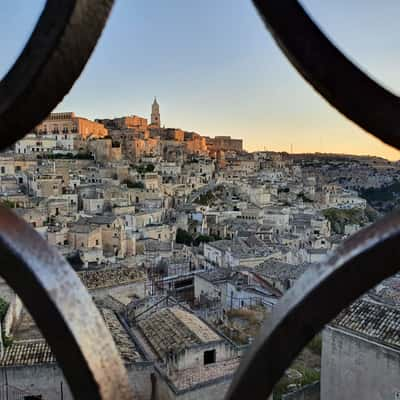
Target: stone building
361,354
104,149
33,143
28,367
68,122
225,143
44,185
195,143
40,144
15,165
281,275
32,216
85,236
234,289
128,122
191,359
188,360
178,135
155,114
105,231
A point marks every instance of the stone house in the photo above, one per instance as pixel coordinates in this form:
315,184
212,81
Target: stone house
234,289
41,185
28,367
32,216
162,232
68,122
104,149
12,165
9,184
361,353
85,236
93,205
191,358
170,169
114,238
151,181
61,206
148,217
34,144
237,252
57,235
279,274
252,213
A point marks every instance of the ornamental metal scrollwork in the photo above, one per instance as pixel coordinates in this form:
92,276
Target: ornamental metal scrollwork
363,260
52,60
63,310
330,72
50,63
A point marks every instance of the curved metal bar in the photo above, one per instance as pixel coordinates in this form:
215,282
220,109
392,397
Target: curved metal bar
334,76
359,264
52,60
63,310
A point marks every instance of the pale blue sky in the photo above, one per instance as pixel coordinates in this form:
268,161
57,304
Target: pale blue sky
216,70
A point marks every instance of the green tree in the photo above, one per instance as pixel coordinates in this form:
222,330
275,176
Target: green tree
133,185
184,237
203,239
7,203
150,168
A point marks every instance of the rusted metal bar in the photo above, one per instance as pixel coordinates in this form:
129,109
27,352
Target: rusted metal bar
334,76
63,310
359,264
50,63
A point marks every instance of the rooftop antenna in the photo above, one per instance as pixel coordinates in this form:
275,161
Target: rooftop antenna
291,148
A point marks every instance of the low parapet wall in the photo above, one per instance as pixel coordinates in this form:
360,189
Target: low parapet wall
308,392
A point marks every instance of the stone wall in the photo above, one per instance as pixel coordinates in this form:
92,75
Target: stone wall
48,380
44,379
309,392
128,290
357,368
215,390
139,377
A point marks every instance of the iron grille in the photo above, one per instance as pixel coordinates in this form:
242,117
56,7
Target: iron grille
54,57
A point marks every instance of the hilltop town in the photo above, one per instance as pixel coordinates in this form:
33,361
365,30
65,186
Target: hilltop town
186,243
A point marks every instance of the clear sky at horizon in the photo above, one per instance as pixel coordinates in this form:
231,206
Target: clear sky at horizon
216,70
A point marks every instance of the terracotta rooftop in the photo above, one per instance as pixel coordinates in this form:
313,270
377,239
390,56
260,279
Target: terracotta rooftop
31,352
174,329
27,353
388,291
121,338
110,277
217,275
374,321
193,376
277,269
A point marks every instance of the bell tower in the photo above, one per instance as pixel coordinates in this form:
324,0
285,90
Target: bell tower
155,114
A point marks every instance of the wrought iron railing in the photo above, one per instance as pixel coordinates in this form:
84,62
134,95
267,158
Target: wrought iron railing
52,60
